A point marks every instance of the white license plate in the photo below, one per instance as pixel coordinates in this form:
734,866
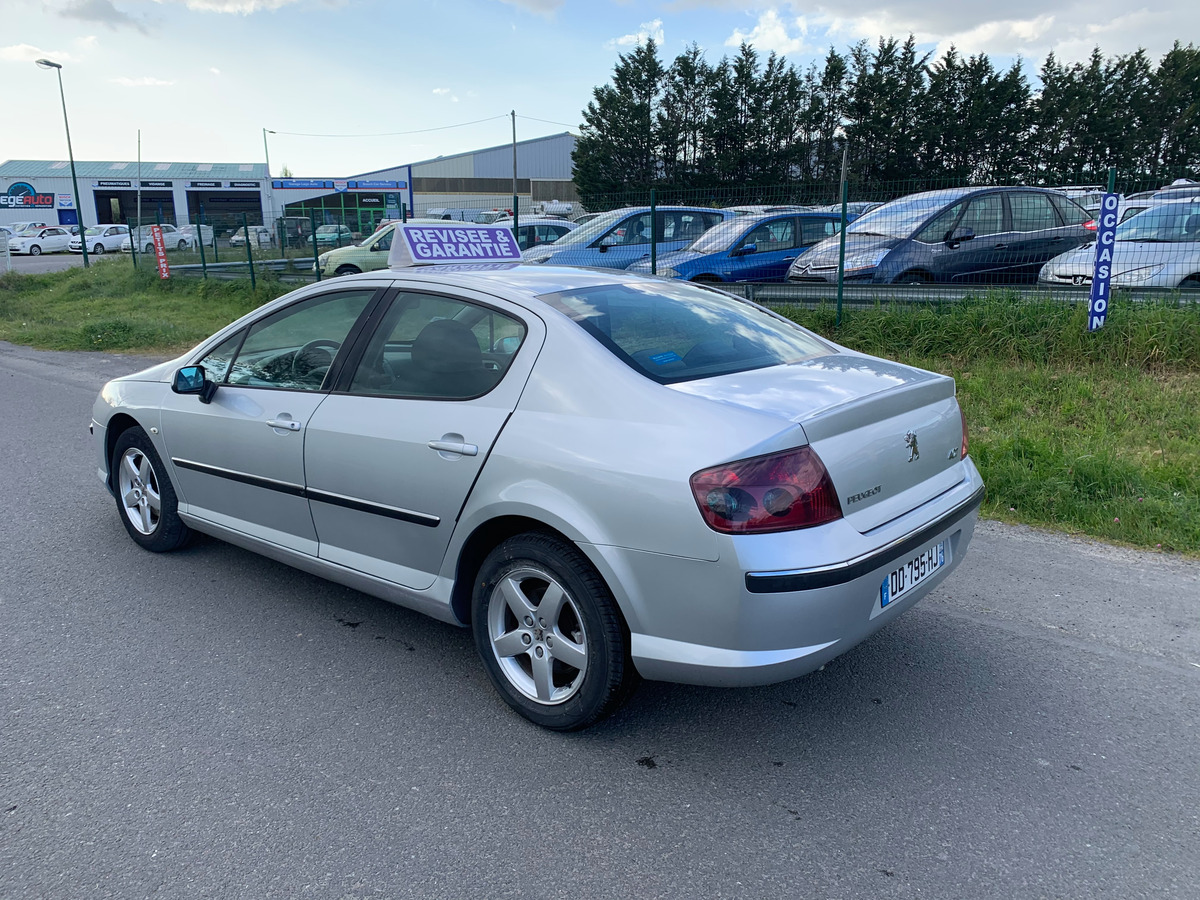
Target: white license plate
911,572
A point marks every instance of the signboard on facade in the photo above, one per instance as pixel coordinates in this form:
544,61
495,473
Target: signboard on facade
245,184
113,184
158,184
22,195
204,184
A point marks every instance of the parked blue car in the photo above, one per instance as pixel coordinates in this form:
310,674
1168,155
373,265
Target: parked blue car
620,238
748,248
999,235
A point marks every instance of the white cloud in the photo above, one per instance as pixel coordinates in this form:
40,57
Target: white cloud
89,42
215,70
445,92
646,31
30,53
238,7
771,33
146,81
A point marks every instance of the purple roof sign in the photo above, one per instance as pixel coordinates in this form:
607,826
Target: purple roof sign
425,245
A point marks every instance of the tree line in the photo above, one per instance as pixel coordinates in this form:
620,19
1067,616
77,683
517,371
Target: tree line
755,123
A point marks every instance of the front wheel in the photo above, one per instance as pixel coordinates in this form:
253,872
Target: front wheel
182,245
35,250
550,634
145,496
348,270
1191,283
98,249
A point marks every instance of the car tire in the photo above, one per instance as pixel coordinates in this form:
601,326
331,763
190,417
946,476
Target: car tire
139,482
347,270
549,633
182,245
912,278
1191,283
706,279
35,250
149,248
98,250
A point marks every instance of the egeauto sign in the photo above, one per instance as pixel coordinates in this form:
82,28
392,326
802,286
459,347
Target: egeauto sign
21,195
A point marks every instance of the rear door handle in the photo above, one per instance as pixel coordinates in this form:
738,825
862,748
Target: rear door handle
1002,246
454,447
289,424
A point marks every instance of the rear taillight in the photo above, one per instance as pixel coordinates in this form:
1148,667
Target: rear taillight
963,416
1090,225
778,492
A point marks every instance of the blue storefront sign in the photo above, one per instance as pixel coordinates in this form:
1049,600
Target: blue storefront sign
1106,239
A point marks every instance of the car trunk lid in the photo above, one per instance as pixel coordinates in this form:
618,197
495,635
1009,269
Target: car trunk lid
889,435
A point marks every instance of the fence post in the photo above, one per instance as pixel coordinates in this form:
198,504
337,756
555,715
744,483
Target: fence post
403,213
653,233
842,238
249,255
312,218
200,242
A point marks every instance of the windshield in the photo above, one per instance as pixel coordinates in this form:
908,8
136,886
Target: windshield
1175,224
673,332
92,230
900,218
721,237
31,230
328,229
585,234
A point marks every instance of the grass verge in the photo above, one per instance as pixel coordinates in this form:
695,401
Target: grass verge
1093,434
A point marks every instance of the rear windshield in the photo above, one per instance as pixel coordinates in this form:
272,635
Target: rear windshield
674,332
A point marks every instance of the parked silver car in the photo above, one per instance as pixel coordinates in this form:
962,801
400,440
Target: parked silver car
1159,247
101,239
603,475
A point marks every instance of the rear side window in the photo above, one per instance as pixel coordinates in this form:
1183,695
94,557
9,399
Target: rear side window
1032,212
1072,213
679,332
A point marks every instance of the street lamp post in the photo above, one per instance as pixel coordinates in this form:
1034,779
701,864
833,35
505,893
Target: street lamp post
267,183
49,64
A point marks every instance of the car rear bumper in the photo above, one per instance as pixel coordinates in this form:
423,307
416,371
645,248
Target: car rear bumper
779,625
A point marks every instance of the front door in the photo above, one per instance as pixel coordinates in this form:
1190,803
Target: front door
394,451
239,460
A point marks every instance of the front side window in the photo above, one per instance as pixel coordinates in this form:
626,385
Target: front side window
984,215
433,347
294,348
779,234
674,332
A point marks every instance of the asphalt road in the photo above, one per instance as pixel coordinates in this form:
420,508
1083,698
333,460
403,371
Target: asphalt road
209,724
46,262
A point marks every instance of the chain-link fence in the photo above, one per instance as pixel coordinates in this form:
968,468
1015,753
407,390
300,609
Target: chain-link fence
909,239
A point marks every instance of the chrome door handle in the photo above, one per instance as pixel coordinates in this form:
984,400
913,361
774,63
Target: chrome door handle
1002,246
289,424
454,447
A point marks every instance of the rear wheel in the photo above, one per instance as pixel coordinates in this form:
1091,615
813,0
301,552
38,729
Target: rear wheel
913,278
550,634
145,496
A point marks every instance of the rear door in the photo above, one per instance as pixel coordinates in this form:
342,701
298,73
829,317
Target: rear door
392,454
1038,234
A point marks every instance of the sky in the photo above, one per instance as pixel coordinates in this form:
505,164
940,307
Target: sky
349,86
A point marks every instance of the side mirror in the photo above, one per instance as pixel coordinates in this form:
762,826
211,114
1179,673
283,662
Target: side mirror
192,380
607,242
960,234
745,250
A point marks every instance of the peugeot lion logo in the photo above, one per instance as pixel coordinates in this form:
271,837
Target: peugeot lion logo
910,441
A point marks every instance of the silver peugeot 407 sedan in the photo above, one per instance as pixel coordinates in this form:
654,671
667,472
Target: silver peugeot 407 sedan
604,476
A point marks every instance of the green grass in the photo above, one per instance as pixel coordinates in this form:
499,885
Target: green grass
114,307
1090,433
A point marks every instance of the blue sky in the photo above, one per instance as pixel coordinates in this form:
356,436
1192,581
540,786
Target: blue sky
202,78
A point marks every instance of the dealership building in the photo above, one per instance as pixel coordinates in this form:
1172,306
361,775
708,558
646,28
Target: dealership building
222,193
